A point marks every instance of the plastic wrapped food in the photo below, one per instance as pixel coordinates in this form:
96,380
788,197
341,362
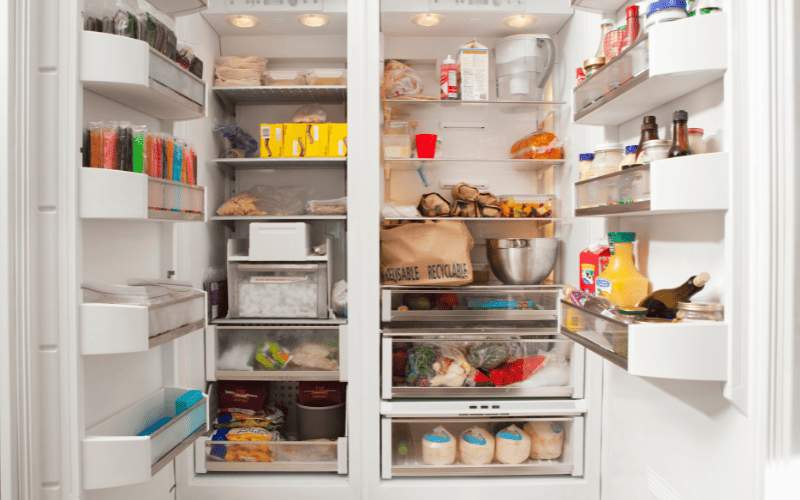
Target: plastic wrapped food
487,356
271,356
547,440
463,208
535,206
419,367
451,367
400,80
316,355
538,146
246,434
232,418
327,207
238,138
476,446
267,200
433,205
439,447
283,300
310,113
327,77
555,371
236,62
512,446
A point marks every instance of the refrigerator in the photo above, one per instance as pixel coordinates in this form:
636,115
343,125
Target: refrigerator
634,411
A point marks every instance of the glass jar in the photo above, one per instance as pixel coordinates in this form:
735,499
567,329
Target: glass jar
630,314
657,149
699,311
696,142
662,12
593,64
607,158
585,165
630,157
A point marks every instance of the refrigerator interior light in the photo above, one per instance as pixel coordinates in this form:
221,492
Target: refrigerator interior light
519,21
427,19
313,20
243,20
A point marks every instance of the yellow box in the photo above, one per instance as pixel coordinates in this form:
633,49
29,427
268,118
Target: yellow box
271,140
294,140
338,140
317,139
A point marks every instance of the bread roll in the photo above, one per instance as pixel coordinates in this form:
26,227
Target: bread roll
439,447
547,439
512,445
476,446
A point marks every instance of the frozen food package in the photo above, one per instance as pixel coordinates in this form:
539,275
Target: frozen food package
466,192
400,80
224,73
110,158
236,62
487,356
102,293
246,434
327,207
238,138
139,153
512,445
433,205
310,113
547,439
267,200
439,447
316,355
476,446
538,146
271,356
125,19
451,367
231,418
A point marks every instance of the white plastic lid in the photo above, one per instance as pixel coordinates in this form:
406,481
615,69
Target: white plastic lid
607,21
449,60
608,146
282,74
327,73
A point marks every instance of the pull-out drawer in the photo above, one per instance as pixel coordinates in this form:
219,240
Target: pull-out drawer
447,364
417,447
248,352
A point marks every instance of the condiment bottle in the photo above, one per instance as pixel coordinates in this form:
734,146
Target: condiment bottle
606,25
632,25
664,303
630,157
649,133
593,64
696,141
680,135
621,282
585,165
449,79
580,76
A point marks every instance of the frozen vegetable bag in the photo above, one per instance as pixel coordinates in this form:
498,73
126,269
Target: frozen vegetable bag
428,253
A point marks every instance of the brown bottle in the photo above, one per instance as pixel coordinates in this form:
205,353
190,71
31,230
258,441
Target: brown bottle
649,133
664,303
680,135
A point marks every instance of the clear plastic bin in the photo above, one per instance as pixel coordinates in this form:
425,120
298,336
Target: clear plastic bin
284,78
278,290
327,77
397,146
537,206
627,186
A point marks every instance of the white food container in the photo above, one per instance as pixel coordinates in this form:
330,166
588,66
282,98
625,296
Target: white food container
283,78
272,290
665,11
327,77
279,241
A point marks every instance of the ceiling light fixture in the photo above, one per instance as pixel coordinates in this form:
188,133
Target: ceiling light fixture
243,21
313,20
427,19
519,21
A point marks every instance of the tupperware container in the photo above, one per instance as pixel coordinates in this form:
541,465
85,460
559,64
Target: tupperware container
284,78
397,146
665,11
327,77
537,206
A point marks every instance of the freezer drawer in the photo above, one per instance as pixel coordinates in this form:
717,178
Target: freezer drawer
535,305
259,352
278,290
408,443
555,366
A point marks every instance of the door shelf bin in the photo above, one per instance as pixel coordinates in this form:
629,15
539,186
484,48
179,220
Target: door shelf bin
318,352
121,328
406,435
115,455
685,351
474,303
274,456
119,195
561,369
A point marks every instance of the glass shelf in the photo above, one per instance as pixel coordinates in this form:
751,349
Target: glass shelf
519,165
282,95
231,165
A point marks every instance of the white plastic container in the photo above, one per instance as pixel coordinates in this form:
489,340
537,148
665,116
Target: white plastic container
397,146
284,78
665,11
657,149
279,241
696,142
327,77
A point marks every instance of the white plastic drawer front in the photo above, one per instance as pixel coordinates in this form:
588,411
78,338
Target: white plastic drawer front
276,456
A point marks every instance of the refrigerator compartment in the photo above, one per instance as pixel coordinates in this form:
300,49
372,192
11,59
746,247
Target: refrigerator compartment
402,454
119,195
114,454
651,73
273,290
473,303
275,456
684,351
674,185
130,72
284,78
231,352
559,369
121,328
327,76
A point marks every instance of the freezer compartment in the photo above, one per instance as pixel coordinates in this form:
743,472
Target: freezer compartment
120,328
420,447
259,352
444,368
276,456
278,290
115,453
535,304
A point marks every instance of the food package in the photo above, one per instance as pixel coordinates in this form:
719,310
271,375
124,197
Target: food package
271,140
238,138
466,192
245,434
488,199
433,205
512,446
487,356
555,371
419,367
246,395
476,446
233,71
266,200
547,439
310,113
463,208
439,447
515,371
451,367
294,140
337,142
271,356
249,82
491,211
278,300
327,77
538,146
317,140
473,72
320,394
327,207
400,80
231,418
225,74
316,355
235,62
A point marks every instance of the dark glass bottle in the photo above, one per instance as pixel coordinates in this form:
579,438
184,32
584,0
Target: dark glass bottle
664,303
680,135
649,133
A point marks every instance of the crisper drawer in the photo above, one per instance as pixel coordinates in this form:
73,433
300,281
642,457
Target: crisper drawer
536,305
278,290
485,365
481,446
276,353
275,456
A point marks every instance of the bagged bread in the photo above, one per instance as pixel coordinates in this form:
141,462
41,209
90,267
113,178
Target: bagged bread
224,73
466,192
439,447
310,113
512,445
547,439
476,446
463,208
236,62
538,146
400,80
433,205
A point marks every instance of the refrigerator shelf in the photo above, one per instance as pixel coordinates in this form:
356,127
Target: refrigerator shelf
683,351
286,456
232,165
130,72
650,72
332,94
277,322
675,185
400,164
115,455
120,195
123,328
597,6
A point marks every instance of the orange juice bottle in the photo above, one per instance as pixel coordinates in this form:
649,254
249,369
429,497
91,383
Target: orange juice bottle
621,282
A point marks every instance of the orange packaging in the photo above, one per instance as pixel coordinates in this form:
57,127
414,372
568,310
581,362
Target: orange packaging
621,282
538,146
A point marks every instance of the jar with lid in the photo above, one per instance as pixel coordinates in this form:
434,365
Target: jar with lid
665,11
630,157
630,314
657,149
593,64
607,158
585,165
689,312
696,142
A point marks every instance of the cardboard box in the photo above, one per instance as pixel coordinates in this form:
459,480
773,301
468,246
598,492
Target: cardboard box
320,393
294,140
473,72
246,395
594,261
271,140
338,140
317,138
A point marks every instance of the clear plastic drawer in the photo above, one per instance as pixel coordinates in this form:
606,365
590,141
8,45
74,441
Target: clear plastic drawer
278,290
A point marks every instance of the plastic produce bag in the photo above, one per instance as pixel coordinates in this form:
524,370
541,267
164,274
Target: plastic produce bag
239,138
400,79
451,367
310,113
487,356
327,207
419,367
555,371
392,210
267,200
538,146
339,297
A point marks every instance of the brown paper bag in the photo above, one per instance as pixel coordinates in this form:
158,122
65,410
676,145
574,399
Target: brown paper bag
428,253
464,209
491,211
466,192
433,205
488,199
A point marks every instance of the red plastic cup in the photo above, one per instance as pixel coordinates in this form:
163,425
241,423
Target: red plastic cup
426,145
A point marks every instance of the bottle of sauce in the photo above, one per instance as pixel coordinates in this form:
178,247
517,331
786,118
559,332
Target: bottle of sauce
632,25
649,133
621,282
449,79
606,26
664,303
631,152
680,135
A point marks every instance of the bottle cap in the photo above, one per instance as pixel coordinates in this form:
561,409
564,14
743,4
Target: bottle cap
632,311
632,11
701,279
648,120
631,149
619,237
594,61
696,131
449,60
680,116
606,21
664,5
586,156
700,306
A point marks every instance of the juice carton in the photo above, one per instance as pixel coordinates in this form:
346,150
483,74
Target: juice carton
593,261
271,140
338,139
317,139
473,72
294,140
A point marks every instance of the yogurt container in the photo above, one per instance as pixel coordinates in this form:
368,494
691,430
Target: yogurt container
665,11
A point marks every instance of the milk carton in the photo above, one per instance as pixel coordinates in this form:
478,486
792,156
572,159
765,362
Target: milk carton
473,72
593,261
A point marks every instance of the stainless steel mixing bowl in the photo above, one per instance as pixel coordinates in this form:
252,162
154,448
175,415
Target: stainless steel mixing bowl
522,261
